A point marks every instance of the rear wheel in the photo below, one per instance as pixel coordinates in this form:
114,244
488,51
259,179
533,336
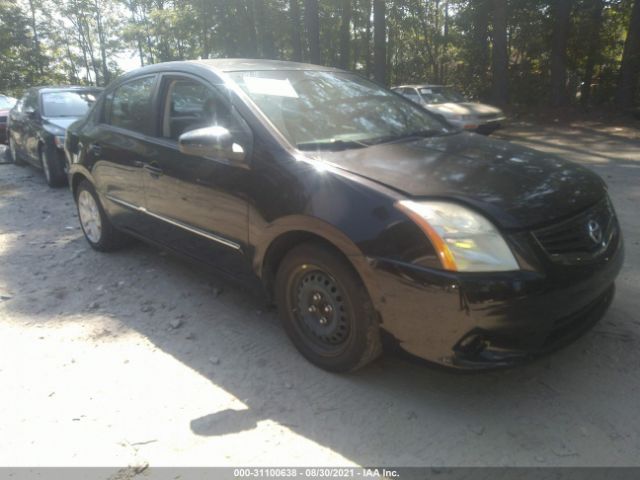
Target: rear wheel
97,228
53,170
326,310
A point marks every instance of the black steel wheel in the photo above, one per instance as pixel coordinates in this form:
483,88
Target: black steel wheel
326,310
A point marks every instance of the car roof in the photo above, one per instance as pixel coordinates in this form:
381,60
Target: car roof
242,64
221,65
68,88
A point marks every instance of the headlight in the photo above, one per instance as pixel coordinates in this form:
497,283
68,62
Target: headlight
59,140
464,240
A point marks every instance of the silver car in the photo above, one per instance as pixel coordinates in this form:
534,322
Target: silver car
455,109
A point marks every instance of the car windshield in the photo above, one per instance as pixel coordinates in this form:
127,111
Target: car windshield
317,110
6,102
441,95
67,104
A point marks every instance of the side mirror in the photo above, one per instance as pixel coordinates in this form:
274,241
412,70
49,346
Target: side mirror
214,141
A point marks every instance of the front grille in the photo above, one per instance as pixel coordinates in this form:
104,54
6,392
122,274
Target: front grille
580,238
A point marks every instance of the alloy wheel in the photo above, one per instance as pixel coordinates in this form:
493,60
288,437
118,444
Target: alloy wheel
89,216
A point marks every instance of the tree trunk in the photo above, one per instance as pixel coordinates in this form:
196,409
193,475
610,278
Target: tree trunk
265,33
75,79
103,46
250,28
630,61
436,40
480,65
345,35
36,39
562,12
367,52
379,42
445,44
296,40
312,22
592,51
423,15
134,21
499,57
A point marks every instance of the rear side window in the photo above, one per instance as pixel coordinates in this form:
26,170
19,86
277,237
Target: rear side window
131,106
31,101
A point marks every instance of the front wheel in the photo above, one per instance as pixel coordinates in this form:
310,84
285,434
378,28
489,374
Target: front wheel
13,152
97,228
326,310
53,170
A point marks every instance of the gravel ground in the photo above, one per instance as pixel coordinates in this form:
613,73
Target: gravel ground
139,358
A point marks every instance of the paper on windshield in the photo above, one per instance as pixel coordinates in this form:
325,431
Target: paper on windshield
270,86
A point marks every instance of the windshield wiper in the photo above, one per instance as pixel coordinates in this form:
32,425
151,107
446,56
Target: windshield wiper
405,136
332,145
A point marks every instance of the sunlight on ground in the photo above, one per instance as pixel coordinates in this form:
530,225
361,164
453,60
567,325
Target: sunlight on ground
86,390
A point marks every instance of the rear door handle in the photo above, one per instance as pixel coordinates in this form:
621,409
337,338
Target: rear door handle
153,171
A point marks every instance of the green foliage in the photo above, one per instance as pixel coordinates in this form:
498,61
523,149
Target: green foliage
443,41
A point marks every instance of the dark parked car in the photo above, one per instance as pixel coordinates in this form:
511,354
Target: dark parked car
359,212
37,125
6,104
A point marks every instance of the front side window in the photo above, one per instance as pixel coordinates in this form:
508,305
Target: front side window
334,110
67,104
131,105
190,105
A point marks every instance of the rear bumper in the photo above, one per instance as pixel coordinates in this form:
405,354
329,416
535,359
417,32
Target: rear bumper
475,321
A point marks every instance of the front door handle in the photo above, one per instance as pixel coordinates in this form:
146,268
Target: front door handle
153,171
95,149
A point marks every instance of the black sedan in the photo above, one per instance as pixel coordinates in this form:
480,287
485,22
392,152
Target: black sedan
37,124
359,212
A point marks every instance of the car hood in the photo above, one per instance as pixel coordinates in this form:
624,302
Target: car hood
515,186
61,122
466,108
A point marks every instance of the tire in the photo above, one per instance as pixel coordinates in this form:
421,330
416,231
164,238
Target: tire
96,226
326,310
53,170
14,156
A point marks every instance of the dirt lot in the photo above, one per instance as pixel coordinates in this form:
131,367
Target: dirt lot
137,357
